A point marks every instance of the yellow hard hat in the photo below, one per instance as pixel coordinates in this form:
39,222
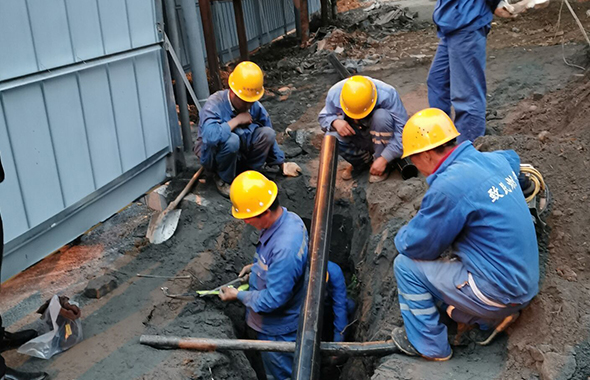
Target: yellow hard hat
251,194
427,130
246,81
358,97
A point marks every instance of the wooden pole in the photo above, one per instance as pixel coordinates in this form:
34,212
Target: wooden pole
241,29
210,45
325,12
304,16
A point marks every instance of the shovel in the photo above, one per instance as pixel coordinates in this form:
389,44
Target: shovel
163,224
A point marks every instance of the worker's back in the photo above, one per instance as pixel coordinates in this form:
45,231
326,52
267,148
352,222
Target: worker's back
454,15
497,242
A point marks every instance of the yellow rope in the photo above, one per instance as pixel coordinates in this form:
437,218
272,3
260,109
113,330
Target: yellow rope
536,177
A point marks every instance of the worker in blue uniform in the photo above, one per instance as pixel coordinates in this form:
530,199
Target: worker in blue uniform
367,117
337,307
235,131
276,279
475,207
457,75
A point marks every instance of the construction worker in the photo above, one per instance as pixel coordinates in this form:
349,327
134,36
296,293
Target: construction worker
235,132
474,207
457,75
367,116
9,341
337,307
277,274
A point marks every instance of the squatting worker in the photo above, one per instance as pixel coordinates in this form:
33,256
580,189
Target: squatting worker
457,76
475,207
235,132
277,274
367,117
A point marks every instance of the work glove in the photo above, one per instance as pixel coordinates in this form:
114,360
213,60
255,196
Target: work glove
291,169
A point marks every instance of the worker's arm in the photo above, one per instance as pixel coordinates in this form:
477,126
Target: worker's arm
435,227
213,129
331,110
283,274
337,291
512,158
397,110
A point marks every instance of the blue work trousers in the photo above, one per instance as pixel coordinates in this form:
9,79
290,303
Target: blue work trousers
457,77
278,365
367,144
421,284
247,148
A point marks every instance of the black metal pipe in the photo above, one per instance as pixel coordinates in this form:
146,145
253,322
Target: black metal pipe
338,66
210,344
406,168
306,365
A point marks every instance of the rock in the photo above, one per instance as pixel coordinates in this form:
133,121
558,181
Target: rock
339,50
557,213
543,136
284,90
536,354
557,366
100,286
567,273
269,94
282,98
533,108
537,96
321,45
156,200
515,30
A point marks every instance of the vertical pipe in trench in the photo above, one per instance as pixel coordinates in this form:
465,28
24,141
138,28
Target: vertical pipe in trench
306,365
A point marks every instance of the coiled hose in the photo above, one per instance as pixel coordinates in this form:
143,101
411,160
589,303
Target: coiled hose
536,178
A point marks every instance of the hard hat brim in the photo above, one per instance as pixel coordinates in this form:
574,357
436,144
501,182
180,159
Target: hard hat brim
235,90
430,146
247,215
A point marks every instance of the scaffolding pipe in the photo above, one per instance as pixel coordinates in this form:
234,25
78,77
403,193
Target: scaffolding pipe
306,364
195,49
179,90
379,348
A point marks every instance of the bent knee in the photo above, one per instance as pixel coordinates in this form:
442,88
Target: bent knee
266,134
232,144
382,121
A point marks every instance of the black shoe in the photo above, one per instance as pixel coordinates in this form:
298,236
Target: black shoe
485,337
14,340
13,374
400,339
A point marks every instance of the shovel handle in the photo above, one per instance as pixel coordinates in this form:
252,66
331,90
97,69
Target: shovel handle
173,205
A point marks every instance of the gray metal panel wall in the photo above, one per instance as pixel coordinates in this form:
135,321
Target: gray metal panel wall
265,20
85,121
41,35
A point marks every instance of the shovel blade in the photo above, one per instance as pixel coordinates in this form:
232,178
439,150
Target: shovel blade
163,227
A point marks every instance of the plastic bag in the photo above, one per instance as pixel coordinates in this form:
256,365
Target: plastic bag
64,334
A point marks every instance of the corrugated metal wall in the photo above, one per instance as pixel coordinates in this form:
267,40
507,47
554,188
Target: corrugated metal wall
84,117
265,20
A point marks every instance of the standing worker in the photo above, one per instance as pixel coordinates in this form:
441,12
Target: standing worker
277,274
474,206
457,76
235,132
367,117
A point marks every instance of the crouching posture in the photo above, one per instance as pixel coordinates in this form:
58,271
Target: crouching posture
367,116
235,132
277,274
475,207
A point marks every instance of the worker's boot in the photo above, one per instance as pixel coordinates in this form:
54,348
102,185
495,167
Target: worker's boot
400,339
17,339
222,186
485,337
13,374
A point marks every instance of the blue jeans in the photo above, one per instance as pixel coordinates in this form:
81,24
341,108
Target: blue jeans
247,147
457,77
367,144
421,284
278,365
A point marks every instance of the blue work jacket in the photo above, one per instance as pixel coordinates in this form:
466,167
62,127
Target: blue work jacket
387,98
213,118
468,15
337,299
476,205
277,279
